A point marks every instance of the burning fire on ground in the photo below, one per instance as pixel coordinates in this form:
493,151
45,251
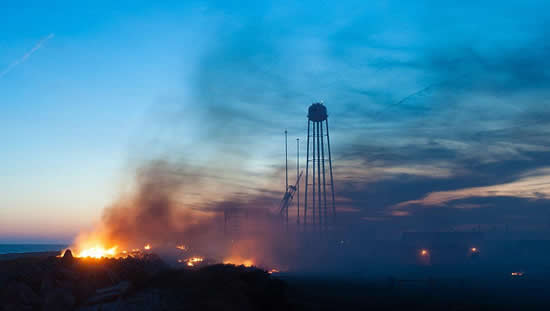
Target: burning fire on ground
99,251
97,246
191,262
152,218
237,261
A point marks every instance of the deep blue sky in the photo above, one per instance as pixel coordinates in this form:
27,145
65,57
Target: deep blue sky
439,109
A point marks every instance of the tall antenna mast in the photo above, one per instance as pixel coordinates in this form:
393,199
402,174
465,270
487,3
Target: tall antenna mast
286,173
286,162
297,178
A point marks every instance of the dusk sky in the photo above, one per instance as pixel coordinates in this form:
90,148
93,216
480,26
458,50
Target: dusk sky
439,113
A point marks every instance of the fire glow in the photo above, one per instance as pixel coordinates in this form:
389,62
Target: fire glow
98,252
191,262
95,247
239,262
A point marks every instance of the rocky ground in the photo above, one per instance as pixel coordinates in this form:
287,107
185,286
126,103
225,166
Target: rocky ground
144,283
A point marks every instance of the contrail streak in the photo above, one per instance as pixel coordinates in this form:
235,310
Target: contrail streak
27,55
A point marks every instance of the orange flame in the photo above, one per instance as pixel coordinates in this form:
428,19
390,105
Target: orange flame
239,262
191,262
98,252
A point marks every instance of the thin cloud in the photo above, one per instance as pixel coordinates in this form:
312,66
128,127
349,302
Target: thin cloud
534,185
27,55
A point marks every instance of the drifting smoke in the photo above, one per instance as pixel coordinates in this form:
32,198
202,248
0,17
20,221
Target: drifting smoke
201,156
154,214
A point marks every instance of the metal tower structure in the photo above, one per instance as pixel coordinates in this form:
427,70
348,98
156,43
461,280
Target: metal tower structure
286,175
315,198
287,199
298,179
291,190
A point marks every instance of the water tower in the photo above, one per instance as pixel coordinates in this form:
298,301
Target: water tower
319,211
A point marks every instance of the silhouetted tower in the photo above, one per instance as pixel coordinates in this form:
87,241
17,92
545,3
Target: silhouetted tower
297,178
291,190
286,174
315,199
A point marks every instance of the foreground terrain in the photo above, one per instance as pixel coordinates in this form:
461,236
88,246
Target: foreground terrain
45,282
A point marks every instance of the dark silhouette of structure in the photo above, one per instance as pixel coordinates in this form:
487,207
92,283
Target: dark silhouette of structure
315,199
291,190
287,199
298,179
286,177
